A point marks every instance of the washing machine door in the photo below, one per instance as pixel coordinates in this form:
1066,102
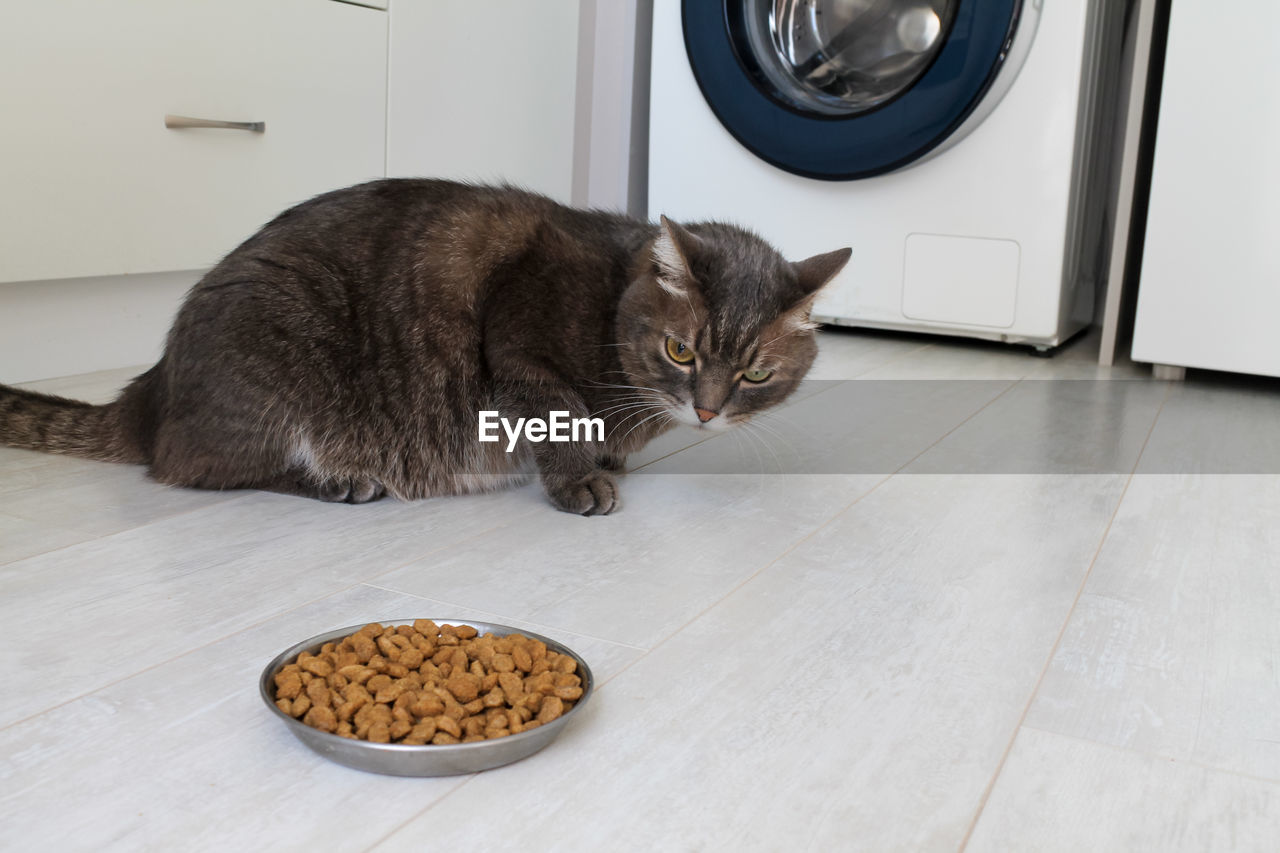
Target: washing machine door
847,89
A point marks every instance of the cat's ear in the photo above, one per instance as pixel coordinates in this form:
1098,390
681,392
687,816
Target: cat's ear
813,274
675,247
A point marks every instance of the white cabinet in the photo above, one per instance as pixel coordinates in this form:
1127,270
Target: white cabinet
1210,288
484,90
107,217
91,180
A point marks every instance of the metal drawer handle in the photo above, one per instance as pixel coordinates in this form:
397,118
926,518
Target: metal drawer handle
186,121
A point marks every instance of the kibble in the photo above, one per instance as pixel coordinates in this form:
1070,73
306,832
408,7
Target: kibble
428,684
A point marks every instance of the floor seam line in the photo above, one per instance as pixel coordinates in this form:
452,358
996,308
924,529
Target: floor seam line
603,683
1141,753
239,631
160,520
749,578
897,358
721,434
422,812
1012,384
1057,642
810,534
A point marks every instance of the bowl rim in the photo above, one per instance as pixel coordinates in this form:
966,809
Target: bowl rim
266,685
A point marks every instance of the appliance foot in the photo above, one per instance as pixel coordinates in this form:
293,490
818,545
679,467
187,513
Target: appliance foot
1170,372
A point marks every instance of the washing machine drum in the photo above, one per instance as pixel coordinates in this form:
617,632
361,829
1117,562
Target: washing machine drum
846,89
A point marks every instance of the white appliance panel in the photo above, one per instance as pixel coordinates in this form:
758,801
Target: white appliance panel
1209,294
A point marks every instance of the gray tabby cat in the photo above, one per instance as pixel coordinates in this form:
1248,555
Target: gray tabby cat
345,350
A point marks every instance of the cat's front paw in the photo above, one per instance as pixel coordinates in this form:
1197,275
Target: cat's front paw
594,494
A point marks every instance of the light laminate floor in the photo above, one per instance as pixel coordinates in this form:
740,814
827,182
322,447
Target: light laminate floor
951,597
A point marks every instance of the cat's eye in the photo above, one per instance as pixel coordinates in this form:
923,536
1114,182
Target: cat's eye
756,375
678,352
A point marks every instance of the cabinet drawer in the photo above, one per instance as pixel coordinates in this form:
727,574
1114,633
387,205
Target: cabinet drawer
93,183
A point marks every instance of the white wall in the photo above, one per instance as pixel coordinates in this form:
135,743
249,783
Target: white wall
484,90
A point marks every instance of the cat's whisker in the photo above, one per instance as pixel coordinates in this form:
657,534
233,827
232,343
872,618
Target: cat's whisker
635,414
638,395
787,442
763,419
759,481
595,384
654,399
772,414
750,430
777,357
760,420
632,396
741,436
742,441
640,412
626,393
641,395
766,435
625,399
660,413
623,403
618,410
794,331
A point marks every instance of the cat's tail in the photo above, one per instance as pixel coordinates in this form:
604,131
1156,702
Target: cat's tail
120,431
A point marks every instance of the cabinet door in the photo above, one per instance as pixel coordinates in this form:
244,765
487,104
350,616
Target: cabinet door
495,106
93,183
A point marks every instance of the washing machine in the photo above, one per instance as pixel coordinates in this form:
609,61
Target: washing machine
960,147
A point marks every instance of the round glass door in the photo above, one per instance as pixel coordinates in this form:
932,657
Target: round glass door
841,90
843,57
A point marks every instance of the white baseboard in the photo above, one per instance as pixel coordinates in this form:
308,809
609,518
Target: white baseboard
79,325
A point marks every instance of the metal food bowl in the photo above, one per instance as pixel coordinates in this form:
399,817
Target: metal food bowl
430,760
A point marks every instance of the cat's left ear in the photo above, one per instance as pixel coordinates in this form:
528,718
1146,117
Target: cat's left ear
813,274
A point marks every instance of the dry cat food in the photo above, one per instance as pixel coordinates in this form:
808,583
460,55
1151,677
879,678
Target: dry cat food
427,683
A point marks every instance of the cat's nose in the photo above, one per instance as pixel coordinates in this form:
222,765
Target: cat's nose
704,415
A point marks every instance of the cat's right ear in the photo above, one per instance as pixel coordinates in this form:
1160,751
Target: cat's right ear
672,252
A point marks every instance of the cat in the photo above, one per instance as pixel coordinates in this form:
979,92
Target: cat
345,350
